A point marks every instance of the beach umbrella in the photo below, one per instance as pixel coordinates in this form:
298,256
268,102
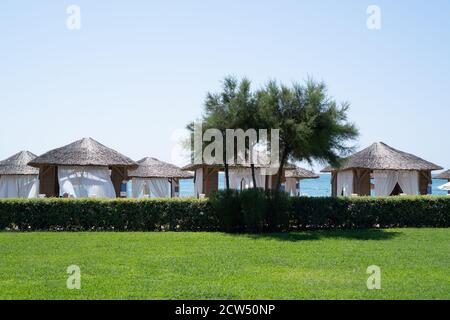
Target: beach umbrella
445,187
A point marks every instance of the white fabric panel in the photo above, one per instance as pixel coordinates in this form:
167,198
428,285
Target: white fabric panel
345,183
138,188
260,178
409,182
385,182
241,178
159,187
19,186
291,187
198,182
84,182
238,178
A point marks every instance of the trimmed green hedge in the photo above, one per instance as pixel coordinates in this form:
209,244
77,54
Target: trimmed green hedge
247,211
108,215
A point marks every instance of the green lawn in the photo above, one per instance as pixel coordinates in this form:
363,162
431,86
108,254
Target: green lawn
415,264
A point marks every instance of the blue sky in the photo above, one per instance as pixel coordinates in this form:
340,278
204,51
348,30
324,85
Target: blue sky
138,71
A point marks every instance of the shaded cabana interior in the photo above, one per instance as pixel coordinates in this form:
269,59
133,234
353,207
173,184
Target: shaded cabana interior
394,172
156,179
85,167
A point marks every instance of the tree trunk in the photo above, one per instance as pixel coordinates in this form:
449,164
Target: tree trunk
280,170
253,176
227,177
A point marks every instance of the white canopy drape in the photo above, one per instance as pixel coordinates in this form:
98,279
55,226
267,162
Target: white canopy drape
409,182
138,188
84,182
291,186
345,183
241,178
386,180
153,187
19,186
198,182
159,188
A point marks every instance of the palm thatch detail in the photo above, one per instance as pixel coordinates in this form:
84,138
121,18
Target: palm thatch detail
380,156
84,152
444,175
18,164
301,173
154,168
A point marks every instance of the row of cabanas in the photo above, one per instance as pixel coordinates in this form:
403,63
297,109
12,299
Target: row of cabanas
86,168
206,178
377,170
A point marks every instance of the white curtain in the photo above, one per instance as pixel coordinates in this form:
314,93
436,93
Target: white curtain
152,187
345,183
386,180
138,188
409,182
260,178
241,178
198,181
19,186
159,188
85,182
291,187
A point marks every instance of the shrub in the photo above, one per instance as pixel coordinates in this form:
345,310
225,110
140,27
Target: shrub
95,214
230,211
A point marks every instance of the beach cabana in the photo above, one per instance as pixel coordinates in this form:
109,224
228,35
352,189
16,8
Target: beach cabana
394,172
84,168
17,179
206,178
293,178
156,179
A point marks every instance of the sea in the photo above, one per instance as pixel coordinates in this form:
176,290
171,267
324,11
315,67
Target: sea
311,187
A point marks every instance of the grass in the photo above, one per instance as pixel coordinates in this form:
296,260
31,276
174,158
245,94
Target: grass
415,264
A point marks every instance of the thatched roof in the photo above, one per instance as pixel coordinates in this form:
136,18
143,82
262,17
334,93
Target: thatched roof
380,156
85,152
154,168
193,166
301,173
18,164
444,175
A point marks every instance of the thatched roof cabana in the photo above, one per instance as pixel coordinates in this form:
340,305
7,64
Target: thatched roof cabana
206,176
156,178
443,175
293,178
154,168
300,173
18,164
380,156
386,165
17,179
81,159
